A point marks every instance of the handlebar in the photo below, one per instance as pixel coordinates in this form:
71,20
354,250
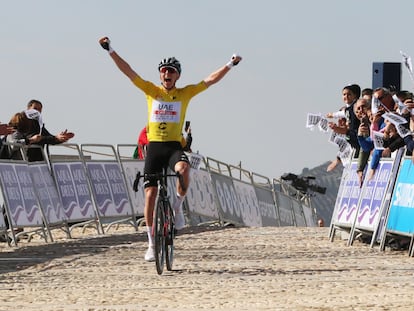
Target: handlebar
158,176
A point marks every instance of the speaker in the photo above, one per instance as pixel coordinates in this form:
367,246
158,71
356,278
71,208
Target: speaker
386,75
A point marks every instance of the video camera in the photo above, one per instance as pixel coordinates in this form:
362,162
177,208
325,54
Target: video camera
303,184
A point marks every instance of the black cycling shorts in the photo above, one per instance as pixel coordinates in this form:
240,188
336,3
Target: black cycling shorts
160,155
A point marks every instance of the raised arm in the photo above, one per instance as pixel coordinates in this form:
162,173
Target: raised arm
119,61
217,75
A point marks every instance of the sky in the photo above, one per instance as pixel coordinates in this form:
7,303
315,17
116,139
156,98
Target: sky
297,57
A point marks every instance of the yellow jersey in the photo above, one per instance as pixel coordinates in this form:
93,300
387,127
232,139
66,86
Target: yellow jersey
167,108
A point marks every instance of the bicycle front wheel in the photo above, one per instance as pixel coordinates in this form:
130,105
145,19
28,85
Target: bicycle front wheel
159,237
169,241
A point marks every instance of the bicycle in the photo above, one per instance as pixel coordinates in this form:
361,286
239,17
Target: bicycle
163,228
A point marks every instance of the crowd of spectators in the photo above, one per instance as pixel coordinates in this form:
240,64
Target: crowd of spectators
375,123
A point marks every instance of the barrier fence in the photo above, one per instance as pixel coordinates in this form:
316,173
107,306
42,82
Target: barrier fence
91,185
382,208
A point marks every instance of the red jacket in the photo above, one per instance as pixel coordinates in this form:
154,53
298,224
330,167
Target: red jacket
142,143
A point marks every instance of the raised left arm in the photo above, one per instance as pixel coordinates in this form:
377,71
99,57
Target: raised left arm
217,75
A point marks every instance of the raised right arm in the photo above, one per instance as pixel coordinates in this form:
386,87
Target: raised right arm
119,61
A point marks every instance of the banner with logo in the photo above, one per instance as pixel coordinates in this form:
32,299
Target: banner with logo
109,189
47,193
19,195
73,188
401,212
201,197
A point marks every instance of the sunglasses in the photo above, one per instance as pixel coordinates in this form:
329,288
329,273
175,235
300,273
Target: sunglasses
169,69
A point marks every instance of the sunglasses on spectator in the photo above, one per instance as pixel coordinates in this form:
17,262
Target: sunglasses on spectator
169,69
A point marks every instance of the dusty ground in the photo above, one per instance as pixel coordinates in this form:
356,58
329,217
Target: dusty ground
215,269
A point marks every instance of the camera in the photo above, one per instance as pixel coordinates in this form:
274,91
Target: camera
303,184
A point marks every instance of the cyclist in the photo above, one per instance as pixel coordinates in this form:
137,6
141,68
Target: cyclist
167,107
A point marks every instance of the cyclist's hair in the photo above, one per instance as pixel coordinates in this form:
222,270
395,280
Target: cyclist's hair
170,62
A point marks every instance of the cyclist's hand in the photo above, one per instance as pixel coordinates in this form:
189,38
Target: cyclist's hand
235,59
105,43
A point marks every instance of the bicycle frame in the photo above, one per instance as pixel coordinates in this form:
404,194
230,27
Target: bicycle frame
163,229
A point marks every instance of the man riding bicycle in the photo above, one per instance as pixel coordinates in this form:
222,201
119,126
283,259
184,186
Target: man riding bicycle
167,106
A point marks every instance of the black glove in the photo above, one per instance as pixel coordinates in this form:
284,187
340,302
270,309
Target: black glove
105,43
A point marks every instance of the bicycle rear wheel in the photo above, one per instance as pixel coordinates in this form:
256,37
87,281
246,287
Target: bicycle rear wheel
159,237
169,241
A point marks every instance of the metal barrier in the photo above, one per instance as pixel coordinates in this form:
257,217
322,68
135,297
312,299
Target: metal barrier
91,185
382,208
30,197
72,183
400,216
268,207
108,185
130,167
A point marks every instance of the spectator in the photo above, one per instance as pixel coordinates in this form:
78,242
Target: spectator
409,142
407,113
392,142
362,111
141,150
5,130
33,113
409,104
350,94
406,100
321,223
342,123
23,134
367,94
30,130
